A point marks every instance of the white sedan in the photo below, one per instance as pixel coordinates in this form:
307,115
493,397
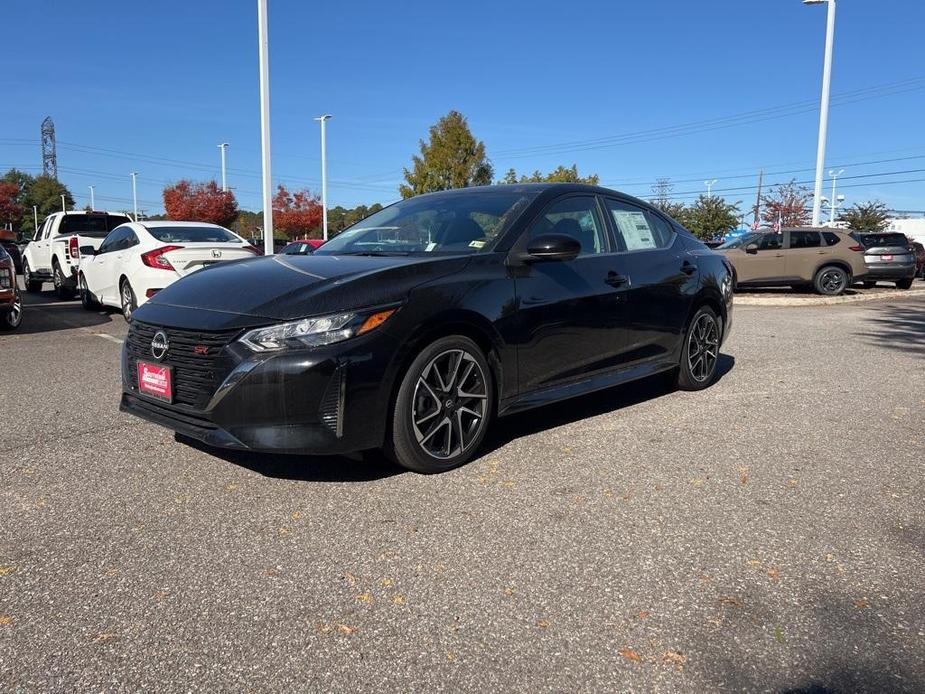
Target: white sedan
137,260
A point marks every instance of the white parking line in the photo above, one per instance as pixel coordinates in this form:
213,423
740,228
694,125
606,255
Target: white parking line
111,338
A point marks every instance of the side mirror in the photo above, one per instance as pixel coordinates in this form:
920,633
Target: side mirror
751,248
552,247
87,250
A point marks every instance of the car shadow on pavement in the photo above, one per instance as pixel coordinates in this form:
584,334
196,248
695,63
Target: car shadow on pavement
368,467
602,402
45,312
897,326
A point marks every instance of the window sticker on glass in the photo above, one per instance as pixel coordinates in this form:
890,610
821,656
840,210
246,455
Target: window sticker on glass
477,243
635,229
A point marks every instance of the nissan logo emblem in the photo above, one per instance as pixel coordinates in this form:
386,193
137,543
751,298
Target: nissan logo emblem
159,345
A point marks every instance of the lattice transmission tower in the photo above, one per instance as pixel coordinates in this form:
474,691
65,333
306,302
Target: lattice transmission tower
49,151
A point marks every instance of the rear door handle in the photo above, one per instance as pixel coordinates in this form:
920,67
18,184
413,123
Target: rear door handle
615,280
688,268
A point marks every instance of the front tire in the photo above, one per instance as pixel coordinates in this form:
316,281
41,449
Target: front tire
128,300
830,280
12,319
700,352
443,407
33,286
87,300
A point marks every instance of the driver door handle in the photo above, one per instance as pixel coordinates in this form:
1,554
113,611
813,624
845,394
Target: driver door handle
616,280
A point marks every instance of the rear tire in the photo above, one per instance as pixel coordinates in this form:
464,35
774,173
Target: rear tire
32,286
87,300
128,300
830,280
905,284
870,285
443,406
62,291
700,351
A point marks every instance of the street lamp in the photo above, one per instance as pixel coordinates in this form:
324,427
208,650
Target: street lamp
709,185
92,202
223,147
324,176
835,198
134,175
263,46
824,106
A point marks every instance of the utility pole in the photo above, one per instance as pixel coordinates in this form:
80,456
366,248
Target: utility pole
324,176
264,60
223,147
824,105
92,201
134,195
758,198
63,206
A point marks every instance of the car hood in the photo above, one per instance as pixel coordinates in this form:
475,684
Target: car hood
280,288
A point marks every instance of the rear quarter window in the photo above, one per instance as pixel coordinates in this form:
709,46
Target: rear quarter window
830,238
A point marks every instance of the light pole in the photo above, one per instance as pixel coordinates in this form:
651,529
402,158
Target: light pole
324,176
134,175
709,185
92,200
824,105
63,206
834,205
264,58
223,147
35,216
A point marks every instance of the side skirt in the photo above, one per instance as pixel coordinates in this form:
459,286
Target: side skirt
547,396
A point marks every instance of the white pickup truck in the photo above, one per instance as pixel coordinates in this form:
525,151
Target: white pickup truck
54,252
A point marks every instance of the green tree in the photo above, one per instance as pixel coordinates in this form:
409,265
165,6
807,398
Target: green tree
561,174
453,158
866,216
710,217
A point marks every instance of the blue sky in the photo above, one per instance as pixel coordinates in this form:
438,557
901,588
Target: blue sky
158,85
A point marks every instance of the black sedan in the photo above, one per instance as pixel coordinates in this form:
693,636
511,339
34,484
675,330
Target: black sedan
413,329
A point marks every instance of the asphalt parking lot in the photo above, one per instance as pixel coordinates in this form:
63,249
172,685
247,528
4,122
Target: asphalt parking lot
765,535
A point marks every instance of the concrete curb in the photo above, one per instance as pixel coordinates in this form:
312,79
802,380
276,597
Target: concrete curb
795,301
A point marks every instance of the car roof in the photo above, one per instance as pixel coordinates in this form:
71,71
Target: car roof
548,190
166,223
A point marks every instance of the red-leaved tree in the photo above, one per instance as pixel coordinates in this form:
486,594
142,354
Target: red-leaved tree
10,209
200,202
296,214
787,203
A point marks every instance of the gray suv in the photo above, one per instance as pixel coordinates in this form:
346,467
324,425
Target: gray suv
889,256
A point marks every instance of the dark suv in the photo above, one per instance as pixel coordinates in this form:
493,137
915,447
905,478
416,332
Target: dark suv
889,256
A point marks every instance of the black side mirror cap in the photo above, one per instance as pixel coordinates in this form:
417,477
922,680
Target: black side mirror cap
751,248
552,247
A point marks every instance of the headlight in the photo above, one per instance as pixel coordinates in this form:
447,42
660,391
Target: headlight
313,332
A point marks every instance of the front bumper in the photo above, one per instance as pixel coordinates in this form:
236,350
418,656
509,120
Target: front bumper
312,402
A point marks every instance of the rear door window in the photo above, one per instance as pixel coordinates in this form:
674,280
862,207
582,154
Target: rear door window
804,239
638,229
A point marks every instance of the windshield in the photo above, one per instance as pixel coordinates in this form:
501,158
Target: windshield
94,226
440,223
873,240
741,241
176,234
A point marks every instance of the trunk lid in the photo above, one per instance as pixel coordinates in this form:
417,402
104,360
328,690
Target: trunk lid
195,256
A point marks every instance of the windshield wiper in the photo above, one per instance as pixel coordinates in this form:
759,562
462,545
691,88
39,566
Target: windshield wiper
377,254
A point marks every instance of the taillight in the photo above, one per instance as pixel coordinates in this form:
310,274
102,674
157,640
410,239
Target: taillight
156,257
253,249
856,249
73,247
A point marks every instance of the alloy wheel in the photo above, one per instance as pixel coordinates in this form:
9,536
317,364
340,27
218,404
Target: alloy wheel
126,301
449,404
703,348
14,316
832,281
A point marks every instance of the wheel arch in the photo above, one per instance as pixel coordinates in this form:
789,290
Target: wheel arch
834,262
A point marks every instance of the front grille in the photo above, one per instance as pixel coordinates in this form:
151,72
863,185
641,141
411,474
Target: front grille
196,372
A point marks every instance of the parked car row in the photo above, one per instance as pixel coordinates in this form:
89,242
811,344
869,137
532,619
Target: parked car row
828,260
